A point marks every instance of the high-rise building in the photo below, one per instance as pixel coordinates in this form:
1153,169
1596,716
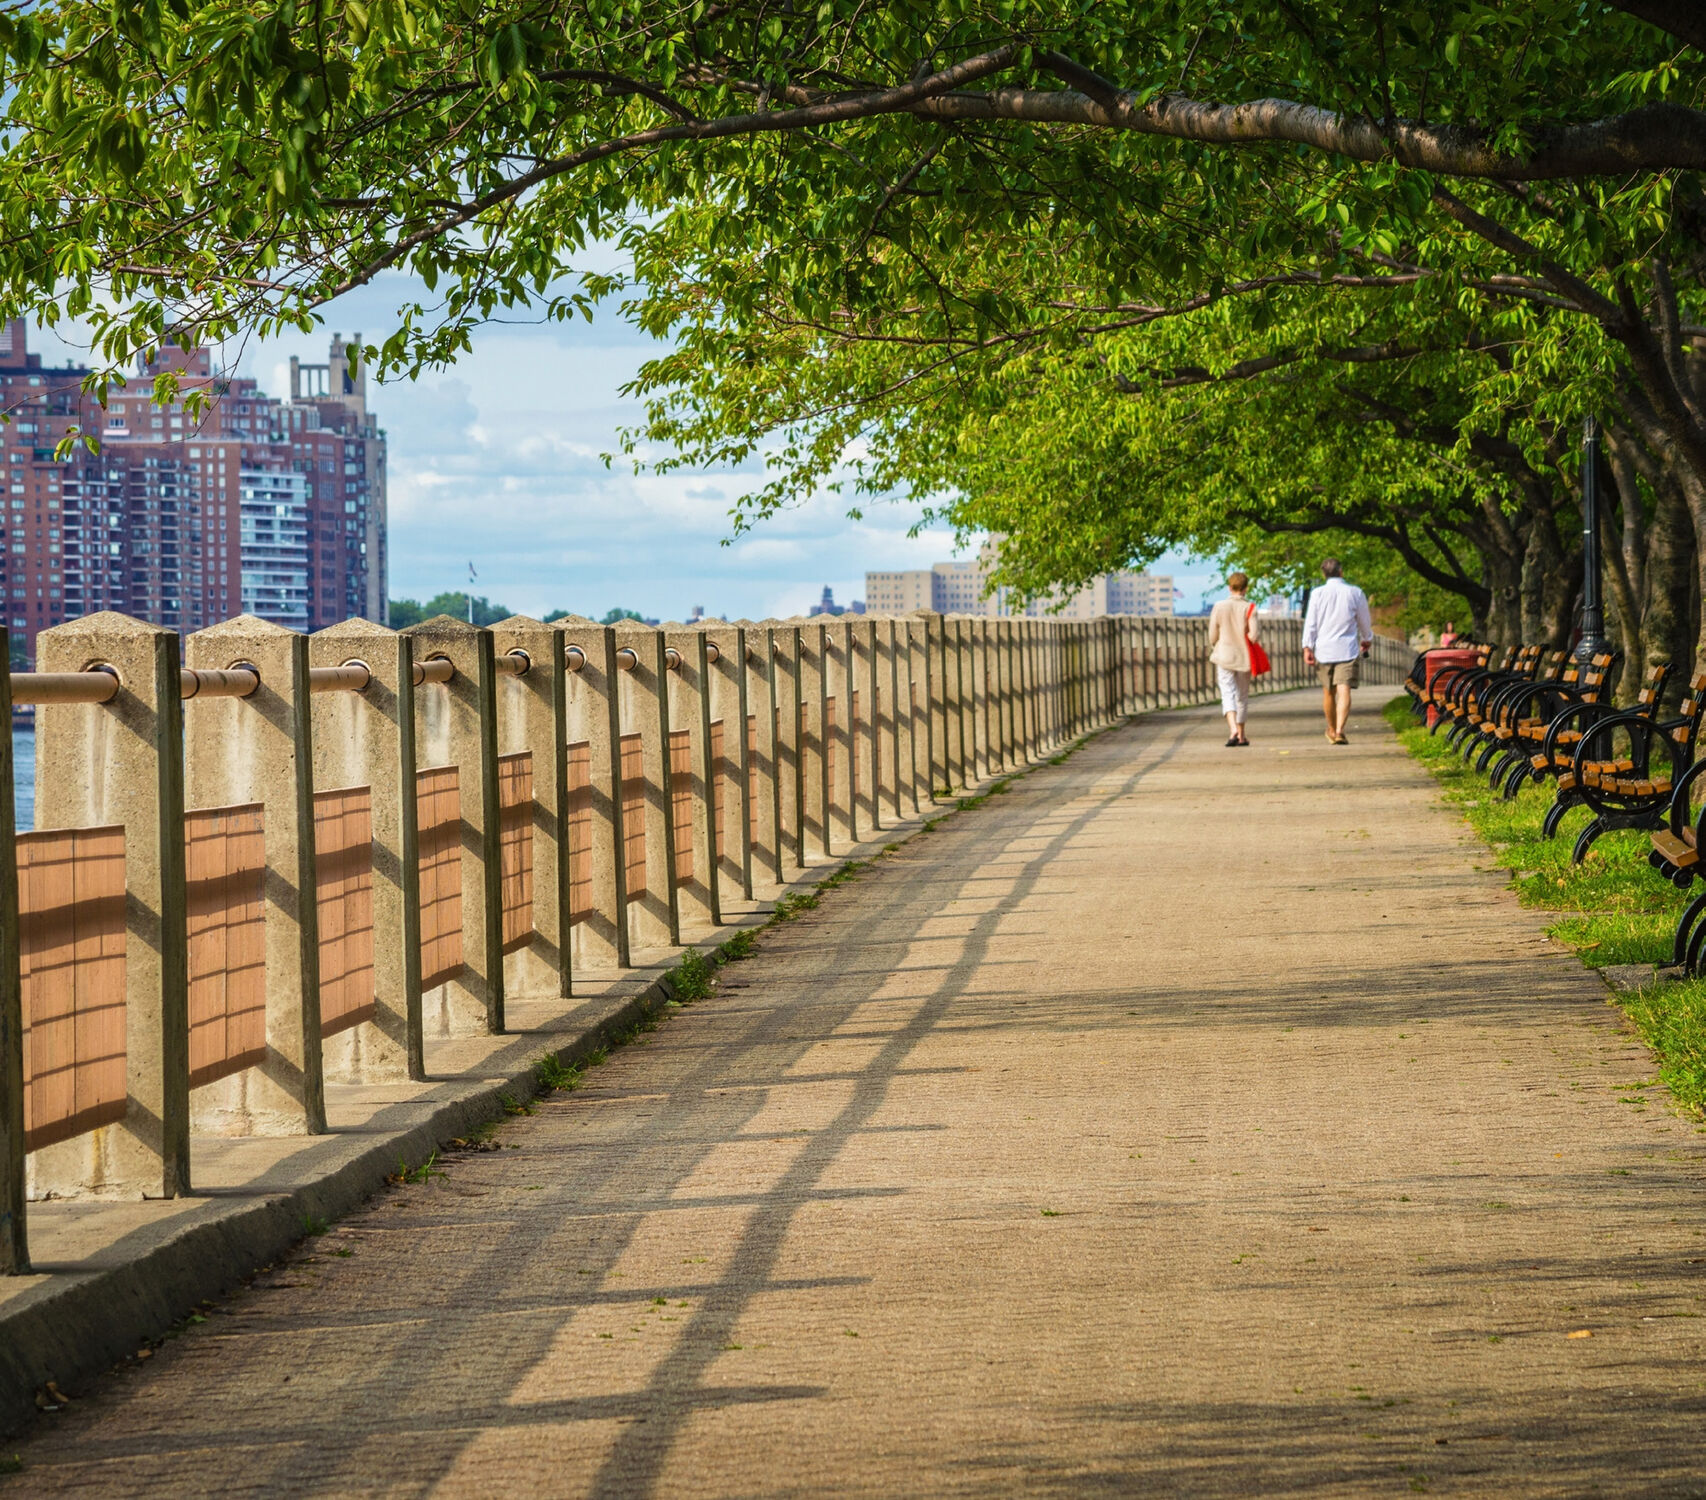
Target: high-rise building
827,605
898,593
272,507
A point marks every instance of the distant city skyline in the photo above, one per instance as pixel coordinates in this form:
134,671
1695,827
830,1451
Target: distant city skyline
499,460
961,586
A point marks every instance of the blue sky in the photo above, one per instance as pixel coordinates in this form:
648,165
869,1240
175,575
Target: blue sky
498,461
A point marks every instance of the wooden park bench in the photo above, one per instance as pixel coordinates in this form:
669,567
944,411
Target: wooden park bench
1545,738
1577,729
1617,771
1493,724
1676,848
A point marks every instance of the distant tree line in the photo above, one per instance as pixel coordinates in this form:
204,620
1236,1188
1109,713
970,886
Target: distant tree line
406,612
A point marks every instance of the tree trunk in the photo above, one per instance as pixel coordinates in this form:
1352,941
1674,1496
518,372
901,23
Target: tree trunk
1667,631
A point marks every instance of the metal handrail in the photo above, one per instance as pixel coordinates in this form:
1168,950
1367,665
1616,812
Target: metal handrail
230,682
573,658
351,677
438,669
98,685
713,653
671,659
627,658
514,663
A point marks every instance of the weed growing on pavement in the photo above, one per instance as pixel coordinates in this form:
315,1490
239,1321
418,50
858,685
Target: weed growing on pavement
313,1225
848,871
426,1170
692,978
792,904
1612,908
12,1463
513,1106
553,1073
740,946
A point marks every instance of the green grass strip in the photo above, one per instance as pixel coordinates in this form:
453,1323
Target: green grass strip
1612,909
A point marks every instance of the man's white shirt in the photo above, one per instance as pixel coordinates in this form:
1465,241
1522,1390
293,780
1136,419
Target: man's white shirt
1338,622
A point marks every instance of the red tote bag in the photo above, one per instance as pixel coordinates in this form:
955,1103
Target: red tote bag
1259,663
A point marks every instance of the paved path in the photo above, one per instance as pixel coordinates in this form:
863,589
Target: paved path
1108,1139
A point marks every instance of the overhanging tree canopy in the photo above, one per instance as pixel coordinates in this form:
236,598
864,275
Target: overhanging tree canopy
782,175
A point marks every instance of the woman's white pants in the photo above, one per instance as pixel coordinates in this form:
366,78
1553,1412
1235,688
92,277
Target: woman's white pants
1234,691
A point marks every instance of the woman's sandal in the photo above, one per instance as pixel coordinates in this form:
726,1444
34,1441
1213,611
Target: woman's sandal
1231,743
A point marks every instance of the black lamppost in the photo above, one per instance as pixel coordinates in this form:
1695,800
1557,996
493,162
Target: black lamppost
1593,640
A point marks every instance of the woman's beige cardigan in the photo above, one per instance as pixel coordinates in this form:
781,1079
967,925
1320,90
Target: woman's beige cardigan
1226,634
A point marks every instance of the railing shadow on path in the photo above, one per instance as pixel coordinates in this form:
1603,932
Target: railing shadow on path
461,1382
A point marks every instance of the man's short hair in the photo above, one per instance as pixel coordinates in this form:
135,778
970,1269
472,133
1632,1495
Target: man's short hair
1238,582
1330,568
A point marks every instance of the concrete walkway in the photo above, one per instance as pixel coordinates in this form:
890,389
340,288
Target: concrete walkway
1113,1138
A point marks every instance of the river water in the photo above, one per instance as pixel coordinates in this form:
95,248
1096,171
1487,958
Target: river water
24,778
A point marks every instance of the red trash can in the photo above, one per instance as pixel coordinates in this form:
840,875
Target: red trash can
1437,660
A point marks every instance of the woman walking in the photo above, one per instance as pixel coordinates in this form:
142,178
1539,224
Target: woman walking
1231,632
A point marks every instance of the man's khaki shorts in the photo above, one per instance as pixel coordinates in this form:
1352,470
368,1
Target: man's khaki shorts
1340,673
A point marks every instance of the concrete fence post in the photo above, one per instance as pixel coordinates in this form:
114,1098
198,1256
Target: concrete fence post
1140,662
763,705
457,725
1102,630
1052,671
1093,640
14,1232
1018,644
1134,664
910,725
925,687
1036,668
698,896
839,770
886,673
938,704
1113,651
260,750
122,762
367,739
790,758
971,695
944,669
533,720
874,699
977,698
989,679
1009,701
1128,663
1072,650
1048,679
815,764
654,917
595,837
728,679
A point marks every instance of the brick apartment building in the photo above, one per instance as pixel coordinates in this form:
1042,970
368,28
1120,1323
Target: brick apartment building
265,506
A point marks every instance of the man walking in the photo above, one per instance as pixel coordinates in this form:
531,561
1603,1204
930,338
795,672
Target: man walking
1337,633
